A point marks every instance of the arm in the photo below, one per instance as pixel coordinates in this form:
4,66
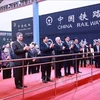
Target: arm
46,49
17,49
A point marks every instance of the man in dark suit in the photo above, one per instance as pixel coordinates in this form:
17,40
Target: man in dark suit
59,50
97,54
20,50
68,48
76,49
46,50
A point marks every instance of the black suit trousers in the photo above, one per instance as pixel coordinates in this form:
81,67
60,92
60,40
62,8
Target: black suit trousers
76,66
59,65
46,71
67,66
18,76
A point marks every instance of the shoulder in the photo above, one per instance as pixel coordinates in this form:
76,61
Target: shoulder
43,44
65,44
56,45
15,42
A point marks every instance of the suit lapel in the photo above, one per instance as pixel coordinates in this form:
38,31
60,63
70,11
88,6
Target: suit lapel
20,44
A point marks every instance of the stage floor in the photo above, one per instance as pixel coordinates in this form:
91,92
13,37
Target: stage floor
36,89
89,91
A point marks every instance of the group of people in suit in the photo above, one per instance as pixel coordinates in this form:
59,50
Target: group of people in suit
60,48
20,49
83,53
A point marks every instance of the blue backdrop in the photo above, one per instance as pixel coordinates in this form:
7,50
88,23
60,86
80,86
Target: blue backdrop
25,26
5,37
83,23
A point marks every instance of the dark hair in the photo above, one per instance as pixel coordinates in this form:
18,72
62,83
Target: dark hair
75,38
43,37
7,42
18,33
66,37
33,43
90,44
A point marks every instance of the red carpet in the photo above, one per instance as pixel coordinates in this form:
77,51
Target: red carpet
89,91
40,91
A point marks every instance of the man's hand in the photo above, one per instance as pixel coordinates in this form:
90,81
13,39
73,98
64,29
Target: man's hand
26,48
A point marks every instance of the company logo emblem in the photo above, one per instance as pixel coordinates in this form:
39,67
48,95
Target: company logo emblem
49,20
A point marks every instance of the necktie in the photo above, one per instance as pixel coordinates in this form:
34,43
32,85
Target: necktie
47,44
77,46
22,44
68,44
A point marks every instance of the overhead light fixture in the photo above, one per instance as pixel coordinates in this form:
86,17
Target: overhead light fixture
14,5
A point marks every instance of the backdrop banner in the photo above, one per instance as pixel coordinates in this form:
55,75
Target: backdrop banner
83,23
25,26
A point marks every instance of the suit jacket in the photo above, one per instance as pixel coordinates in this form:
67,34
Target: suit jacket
34,53
95,50
67,50
76,50
45,51
18,52
58,51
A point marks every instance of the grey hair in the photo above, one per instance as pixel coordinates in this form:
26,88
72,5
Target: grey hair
18,33
57,38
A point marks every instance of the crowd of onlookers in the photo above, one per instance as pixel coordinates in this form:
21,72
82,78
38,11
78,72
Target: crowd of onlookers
7,53
86,54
